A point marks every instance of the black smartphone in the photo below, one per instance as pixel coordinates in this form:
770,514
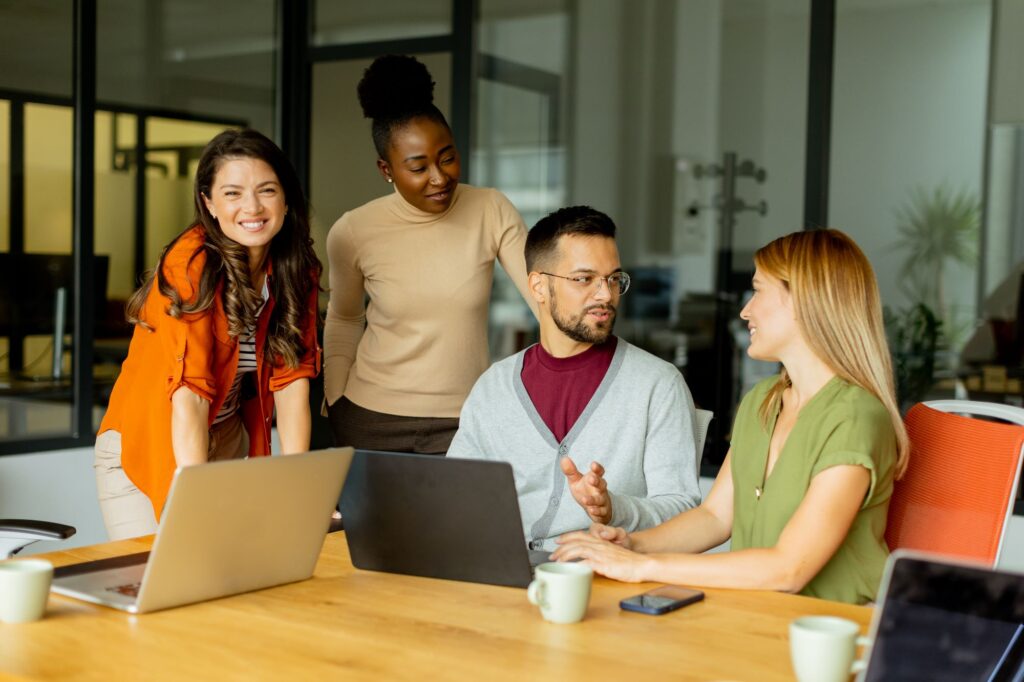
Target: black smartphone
662,600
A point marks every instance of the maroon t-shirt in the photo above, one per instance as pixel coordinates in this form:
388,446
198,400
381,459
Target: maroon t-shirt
561,388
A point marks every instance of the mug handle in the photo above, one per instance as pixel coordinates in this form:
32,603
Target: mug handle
535,593
861,664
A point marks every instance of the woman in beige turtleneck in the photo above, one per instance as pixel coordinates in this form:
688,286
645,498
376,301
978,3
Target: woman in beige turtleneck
397,368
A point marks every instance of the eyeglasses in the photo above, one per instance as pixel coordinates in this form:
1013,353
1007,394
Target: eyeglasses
618,282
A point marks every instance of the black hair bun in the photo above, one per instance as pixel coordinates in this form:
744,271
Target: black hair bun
394,86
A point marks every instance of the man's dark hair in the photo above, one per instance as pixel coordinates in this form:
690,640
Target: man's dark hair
542,242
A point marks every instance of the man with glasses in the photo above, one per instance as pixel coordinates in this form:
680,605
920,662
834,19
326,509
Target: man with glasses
595,428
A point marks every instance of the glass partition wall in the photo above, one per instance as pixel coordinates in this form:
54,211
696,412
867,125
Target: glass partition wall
703,172
165,83
907,181
681,120
703,128
688,122
646,110
36,265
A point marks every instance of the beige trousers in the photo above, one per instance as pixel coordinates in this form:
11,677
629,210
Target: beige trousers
127,512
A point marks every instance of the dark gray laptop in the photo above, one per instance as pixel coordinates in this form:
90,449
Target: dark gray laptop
424,515
227,527
941,620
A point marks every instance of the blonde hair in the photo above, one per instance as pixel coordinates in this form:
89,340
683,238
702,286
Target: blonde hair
838,309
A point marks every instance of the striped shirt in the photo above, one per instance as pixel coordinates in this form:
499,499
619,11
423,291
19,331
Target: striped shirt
246,363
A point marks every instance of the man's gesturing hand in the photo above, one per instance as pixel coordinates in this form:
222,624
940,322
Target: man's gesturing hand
589,490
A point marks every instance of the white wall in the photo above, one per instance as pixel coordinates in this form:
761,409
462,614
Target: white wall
56,486
909,112
1007,84
1007,121
595,161
763,109
686,80
695,140
784,123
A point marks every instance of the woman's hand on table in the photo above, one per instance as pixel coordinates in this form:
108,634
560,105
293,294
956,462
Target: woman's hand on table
612,534
604,557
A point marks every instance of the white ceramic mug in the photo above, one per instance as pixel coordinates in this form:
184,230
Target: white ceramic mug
823,648
24,589
562,591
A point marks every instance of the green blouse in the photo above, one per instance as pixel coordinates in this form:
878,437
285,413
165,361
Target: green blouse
841,424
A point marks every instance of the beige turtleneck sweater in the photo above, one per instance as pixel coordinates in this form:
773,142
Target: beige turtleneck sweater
428,277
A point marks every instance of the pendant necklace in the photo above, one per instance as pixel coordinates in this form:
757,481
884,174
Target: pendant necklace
759,489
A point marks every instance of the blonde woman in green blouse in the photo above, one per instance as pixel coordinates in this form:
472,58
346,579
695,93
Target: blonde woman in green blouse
804,491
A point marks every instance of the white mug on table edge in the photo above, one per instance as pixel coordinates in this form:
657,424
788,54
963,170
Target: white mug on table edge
824,648
561,590
24,589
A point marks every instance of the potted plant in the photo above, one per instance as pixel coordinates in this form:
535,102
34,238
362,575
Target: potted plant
914,337
935,229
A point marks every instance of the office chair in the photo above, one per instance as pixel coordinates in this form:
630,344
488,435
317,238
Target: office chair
16,534
959,489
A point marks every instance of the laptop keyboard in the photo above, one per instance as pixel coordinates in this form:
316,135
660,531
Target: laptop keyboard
130,590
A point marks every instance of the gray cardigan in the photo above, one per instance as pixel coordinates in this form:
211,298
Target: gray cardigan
638,425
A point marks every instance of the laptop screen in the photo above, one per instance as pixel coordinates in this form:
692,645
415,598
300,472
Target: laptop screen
943,621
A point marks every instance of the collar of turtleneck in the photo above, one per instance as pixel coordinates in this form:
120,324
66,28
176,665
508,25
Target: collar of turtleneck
409,213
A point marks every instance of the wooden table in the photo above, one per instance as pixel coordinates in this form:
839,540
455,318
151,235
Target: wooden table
352,624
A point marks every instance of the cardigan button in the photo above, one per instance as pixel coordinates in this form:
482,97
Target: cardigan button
563,450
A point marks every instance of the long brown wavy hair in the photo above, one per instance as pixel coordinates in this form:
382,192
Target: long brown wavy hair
296,268
839,312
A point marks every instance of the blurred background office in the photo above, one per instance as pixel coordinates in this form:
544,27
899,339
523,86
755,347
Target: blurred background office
705,128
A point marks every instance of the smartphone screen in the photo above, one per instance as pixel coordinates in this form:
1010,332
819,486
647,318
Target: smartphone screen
662,599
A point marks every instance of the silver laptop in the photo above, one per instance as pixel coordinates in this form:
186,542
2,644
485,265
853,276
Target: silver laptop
945,620
227,527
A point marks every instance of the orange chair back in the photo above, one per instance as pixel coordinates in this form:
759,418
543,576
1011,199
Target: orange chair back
959,486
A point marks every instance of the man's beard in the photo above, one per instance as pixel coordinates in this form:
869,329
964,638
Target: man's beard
576,327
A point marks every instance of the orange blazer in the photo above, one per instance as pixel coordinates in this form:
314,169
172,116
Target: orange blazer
194,351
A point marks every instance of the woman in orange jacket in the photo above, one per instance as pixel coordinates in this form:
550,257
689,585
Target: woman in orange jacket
225,333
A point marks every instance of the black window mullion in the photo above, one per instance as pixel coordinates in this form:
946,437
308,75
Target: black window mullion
16,182
83,205
819,113
464,13
139,257
294,83
16,212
